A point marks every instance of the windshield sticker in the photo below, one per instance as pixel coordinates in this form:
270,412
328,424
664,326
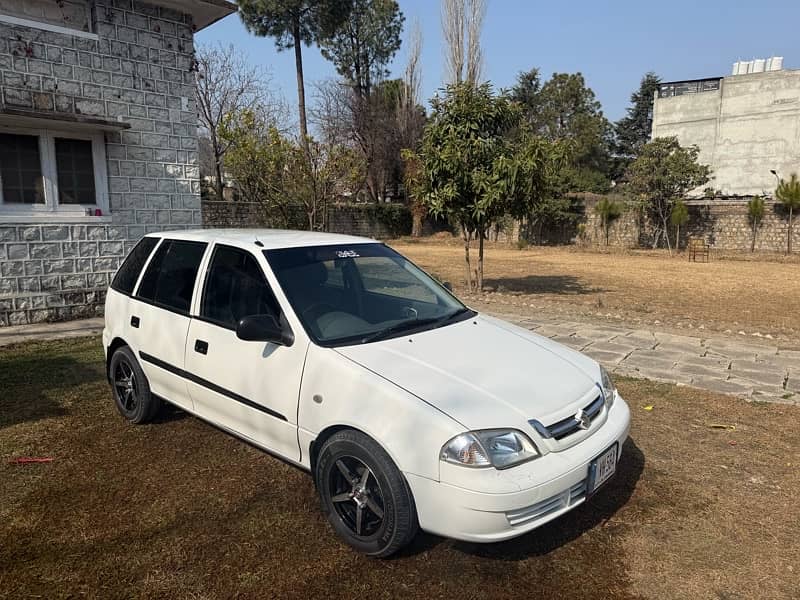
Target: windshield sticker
347,254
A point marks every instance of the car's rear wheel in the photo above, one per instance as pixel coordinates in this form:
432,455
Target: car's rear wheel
364,495
132,393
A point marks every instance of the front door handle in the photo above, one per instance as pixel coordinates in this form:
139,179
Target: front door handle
135,321
201,346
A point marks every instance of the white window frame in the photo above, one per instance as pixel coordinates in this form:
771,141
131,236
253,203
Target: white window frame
27,21
47,157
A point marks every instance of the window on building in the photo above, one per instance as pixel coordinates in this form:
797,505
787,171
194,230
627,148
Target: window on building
44,171
170,276
21,169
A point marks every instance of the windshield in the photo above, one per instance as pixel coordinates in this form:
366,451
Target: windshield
360,293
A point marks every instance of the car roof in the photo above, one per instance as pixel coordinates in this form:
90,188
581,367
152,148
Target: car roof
269,238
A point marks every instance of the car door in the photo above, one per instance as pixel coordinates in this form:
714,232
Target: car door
159,317
249,387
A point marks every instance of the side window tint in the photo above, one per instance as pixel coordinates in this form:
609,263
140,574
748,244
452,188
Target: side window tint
235,288
128,273
169,280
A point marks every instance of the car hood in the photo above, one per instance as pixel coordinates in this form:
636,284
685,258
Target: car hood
484,372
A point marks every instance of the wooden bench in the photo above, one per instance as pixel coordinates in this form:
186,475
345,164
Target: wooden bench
698,248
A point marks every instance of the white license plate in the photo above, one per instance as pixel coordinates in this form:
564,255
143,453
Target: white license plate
602,468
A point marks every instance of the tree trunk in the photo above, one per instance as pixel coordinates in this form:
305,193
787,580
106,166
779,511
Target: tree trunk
666,234
479,278
789,233
465,234
753,240
301,88
677,238
218,186
416,224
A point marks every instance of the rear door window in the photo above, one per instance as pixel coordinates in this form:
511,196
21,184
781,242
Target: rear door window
169,279
125,279
235,288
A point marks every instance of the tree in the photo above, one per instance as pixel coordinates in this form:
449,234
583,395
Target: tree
364,44
634,129
462,21
293,23
678,217
285,178
755,214
663,173
474,172
227,84
788,194
565,109
608,210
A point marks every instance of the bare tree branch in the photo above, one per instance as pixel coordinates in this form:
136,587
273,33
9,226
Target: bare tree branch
477,12
227,84
453,32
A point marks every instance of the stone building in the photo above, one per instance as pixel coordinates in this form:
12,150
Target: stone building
98,143
746,125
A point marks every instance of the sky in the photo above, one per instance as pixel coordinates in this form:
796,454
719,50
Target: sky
612,42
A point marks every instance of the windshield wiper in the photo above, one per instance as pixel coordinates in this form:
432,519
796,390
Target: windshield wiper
397,328
415,323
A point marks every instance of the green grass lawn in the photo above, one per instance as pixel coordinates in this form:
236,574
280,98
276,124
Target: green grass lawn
179,509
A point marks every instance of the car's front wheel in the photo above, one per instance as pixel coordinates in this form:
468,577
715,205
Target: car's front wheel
132,393
364,495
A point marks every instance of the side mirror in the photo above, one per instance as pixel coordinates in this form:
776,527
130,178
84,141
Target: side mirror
448,286
263,328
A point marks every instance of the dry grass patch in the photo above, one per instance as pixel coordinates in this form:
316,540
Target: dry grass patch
637,287
178,509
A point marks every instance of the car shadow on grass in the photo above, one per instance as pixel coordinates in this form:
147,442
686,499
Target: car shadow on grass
32,385
566,285
541,541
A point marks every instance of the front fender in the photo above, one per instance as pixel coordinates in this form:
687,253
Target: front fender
336,391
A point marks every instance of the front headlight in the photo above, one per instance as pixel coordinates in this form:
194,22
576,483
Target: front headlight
607,386
498,448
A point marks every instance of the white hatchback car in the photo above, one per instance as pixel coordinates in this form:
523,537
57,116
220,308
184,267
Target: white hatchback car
339,355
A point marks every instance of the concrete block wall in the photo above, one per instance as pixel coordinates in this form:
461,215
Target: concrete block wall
139,70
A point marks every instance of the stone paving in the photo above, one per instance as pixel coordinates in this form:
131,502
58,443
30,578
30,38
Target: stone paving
721,364
727,365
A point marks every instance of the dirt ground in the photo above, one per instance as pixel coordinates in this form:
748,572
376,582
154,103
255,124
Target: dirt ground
755,294
178,509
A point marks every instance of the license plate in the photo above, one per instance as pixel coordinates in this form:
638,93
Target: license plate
602,468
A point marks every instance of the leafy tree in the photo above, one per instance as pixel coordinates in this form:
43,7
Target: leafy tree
663,173
788,193
634,129
755,214
678,217
282,176
364,44
473,171
609,210
564,109
293,23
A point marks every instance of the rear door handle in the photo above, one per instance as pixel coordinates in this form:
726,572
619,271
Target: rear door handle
135,322
200,346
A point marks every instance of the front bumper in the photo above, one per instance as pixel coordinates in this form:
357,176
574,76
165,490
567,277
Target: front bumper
543,489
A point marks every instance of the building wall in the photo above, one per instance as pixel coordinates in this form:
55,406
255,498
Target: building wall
746,128
139,71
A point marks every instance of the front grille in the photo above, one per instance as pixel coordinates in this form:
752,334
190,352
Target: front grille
540,510
570,425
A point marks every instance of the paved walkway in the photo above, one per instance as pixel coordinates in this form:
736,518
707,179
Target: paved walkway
721,364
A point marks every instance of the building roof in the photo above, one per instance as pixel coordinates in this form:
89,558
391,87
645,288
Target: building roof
269,238
204,12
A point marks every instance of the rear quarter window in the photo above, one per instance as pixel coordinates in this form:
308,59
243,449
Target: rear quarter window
125,279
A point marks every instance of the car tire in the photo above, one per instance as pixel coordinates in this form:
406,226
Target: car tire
364,495
131,389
